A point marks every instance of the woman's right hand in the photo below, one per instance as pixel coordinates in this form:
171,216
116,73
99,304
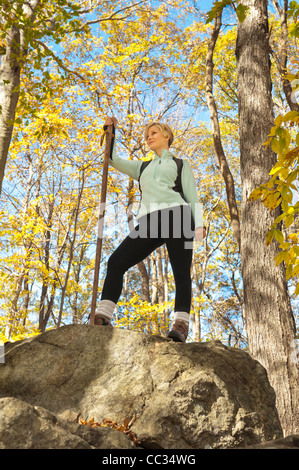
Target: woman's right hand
111,121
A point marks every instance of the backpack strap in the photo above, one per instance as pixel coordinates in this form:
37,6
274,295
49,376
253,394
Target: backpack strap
142,168
178,182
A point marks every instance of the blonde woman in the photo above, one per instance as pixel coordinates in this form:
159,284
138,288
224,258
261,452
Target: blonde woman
169,213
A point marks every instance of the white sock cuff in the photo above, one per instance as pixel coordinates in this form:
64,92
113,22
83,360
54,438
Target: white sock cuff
184,316
105,308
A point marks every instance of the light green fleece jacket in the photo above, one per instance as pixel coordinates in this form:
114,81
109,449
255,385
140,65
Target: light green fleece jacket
157,181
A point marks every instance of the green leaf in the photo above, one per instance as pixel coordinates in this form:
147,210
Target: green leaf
294,30
269,237
280,218
275,170
292,176
285,206
276,145
278,235
242,11
256,194
284,139
289,271
216,9
291,116
279,258
296,270
278,121
287,194
289,220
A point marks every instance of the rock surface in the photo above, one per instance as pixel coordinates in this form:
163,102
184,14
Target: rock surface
289,442
24,426
178,396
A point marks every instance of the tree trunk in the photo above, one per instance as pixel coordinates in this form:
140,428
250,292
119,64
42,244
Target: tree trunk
46,261
165,329
9,93
154,278
195,318
75,217
269,319
220,154
10,73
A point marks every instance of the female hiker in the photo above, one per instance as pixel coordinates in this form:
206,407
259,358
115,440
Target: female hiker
169,212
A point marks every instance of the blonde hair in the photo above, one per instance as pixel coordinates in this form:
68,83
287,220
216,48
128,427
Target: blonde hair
164,129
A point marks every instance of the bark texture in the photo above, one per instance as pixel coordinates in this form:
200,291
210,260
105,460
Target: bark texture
9,93
220,154
10,75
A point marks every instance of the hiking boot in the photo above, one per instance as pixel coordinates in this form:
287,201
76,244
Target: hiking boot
179,331
98,320
104,313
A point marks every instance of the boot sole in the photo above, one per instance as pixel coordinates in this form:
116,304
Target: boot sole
176,336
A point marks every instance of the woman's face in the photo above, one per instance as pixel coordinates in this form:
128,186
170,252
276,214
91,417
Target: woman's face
156,140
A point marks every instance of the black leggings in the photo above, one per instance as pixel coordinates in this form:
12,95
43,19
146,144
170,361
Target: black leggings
174,227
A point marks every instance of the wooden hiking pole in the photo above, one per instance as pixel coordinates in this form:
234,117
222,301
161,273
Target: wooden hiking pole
109,132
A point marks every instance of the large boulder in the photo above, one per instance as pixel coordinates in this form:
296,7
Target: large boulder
176,396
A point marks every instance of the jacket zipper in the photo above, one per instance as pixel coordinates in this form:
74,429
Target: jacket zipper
155,172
